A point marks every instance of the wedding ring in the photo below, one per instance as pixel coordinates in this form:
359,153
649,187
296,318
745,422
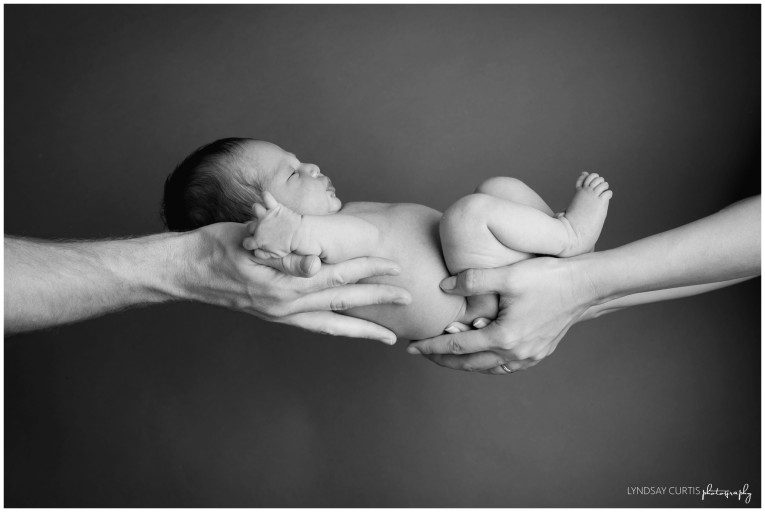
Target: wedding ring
506,368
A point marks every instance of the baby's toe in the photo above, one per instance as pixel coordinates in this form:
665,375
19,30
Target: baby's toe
589,179
597,181
602,187
580,180
608,194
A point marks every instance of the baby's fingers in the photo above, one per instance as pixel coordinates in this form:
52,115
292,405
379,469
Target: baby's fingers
301,266
259,211
262,255
270,201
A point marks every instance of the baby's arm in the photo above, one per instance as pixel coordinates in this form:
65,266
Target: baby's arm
279,231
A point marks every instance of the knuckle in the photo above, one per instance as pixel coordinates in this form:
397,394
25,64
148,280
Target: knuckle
279,310
327,330
470,279
523,352
505,343
339,304
338,279
454,346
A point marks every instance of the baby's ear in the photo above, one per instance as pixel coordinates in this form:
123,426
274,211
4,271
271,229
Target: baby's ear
259,210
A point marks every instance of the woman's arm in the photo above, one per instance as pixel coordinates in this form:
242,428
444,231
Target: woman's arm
52,283
541,298
637,299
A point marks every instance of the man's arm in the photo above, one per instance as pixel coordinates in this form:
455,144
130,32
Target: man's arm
49,283
52,283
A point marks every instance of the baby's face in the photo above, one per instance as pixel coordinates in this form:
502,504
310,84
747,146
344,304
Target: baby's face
299,186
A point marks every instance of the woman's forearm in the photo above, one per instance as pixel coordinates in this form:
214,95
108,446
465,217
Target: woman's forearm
50,283
637,299
724,246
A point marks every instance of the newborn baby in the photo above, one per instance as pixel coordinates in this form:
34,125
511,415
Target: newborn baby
297,211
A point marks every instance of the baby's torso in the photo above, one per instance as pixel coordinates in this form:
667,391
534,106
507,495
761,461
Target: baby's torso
410,238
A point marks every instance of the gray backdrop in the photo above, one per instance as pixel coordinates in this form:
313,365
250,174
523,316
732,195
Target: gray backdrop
189,405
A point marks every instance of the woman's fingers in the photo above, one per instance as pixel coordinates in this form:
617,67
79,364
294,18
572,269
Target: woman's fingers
479,362
346,297
349,272
325,322
457,344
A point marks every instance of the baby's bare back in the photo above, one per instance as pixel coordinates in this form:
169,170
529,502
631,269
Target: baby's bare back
410,238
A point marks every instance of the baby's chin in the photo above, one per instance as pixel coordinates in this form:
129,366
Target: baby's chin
335,204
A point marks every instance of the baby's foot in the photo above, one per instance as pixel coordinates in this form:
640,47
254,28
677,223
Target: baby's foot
586,213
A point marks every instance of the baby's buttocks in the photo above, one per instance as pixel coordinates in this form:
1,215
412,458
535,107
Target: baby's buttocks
410,237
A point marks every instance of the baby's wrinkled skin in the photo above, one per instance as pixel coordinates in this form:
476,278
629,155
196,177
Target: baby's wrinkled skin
502,223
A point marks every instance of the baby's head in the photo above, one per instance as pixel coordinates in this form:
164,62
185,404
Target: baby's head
219,182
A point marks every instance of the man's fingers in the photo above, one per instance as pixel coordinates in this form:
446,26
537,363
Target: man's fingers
334,324
342,298
456,344
350,271
482,361
477,282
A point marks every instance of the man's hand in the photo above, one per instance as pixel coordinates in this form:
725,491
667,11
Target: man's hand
222,272
540,299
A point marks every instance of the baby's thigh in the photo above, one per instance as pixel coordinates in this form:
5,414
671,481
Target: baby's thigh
466,240
513,189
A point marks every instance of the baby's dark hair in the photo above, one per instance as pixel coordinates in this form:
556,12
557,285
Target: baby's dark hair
207,187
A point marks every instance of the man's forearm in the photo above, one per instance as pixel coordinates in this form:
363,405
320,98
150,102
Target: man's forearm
49,283
721,247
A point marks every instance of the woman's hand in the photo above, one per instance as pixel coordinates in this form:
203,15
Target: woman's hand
222,272
540,299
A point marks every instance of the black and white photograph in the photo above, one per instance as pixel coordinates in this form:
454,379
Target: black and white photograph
382,255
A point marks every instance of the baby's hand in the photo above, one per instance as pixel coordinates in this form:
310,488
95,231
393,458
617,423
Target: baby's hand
275,231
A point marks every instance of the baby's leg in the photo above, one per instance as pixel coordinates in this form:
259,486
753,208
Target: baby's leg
487,231
465,247
465,238
513,190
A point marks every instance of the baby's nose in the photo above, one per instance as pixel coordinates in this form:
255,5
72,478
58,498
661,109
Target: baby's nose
312,170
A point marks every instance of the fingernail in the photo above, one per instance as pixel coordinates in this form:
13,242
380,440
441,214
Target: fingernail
452,330
413,350
449,283
402,301
394,271
480,323
389,340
